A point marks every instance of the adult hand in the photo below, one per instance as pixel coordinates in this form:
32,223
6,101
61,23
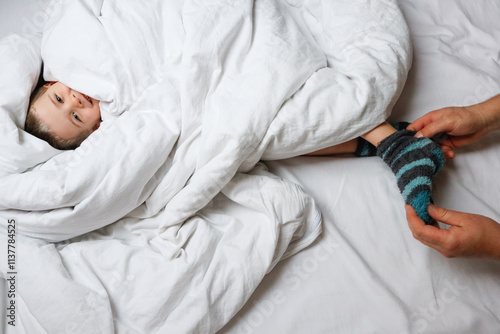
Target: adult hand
463,125
468,235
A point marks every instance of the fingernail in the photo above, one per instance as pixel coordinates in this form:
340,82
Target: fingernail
419,135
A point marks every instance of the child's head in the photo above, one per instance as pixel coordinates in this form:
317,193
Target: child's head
61,116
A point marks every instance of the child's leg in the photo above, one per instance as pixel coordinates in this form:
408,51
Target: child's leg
347,147
366,145
414,161
378,134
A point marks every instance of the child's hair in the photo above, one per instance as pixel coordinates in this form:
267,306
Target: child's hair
37,128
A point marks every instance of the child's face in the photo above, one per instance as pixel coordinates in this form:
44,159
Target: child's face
67,112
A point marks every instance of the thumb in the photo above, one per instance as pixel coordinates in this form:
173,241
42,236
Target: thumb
445,216
430,130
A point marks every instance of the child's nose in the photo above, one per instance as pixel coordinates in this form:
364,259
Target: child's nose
76,102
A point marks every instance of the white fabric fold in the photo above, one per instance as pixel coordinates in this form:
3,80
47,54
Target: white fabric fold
168,197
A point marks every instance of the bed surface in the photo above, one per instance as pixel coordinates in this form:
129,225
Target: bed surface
366,273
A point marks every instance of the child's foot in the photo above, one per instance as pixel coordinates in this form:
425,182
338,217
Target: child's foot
414,161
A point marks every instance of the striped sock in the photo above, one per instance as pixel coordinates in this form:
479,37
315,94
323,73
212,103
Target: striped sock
414,161
366,149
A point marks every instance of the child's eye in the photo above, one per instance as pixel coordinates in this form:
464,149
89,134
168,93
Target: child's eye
59,99
75,116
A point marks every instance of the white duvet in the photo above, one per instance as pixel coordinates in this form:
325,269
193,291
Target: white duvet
163,220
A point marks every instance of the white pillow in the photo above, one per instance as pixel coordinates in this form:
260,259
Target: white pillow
20,66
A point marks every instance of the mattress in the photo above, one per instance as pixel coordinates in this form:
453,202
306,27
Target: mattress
366,273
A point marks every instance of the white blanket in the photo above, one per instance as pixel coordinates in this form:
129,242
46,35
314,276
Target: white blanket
203,92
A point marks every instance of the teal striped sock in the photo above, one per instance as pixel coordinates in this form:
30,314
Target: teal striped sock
414,161
366,149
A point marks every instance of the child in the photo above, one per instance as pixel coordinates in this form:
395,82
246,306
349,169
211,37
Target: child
64,118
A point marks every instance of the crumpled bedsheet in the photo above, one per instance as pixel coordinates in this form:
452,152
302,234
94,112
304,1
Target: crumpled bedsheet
164,219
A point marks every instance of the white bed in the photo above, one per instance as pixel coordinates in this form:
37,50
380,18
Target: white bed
366,273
